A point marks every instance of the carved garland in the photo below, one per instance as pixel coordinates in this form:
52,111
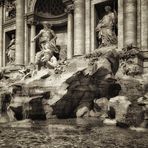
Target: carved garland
128,60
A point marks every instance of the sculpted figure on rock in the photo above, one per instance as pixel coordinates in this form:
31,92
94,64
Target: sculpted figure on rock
106,29
47,41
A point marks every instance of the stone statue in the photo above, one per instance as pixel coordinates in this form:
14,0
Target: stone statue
11,50
47,41
11,9
106,29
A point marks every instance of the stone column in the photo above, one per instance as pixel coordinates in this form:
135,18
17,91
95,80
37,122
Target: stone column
139,24
79,27
32,44
26,44
120,24
131,29
19,32
93,26
130,22
144,25
70,31
26,35
1,33
87,26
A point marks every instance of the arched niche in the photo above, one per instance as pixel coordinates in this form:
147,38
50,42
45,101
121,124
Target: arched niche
48,10
53,12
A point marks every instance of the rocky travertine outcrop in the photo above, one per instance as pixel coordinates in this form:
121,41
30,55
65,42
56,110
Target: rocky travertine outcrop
143,101
120,106
86,86
131,60
67,91
101,108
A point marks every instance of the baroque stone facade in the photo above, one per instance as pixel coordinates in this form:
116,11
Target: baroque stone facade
74,22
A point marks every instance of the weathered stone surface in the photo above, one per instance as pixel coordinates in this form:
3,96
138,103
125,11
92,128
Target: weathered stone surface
4,118
48,110
25,107
110,122
120,104
101,106
132,87
82,112
131,60
126,113
104,61
135,115
143,101
69,93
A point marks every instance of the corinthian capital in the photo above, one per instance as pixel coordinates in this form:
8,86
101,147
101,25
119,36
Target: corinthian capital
69,8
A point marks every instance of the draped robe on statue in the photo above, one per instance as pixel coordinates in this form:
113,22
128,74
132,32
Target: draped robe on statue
106,30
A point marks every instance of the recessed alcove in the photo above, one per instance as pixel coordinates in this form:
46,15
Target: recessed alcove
52,12
100,12
8,37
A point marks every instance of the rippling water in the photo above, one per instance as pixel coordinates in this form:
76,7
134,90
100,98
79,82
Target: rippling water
72,133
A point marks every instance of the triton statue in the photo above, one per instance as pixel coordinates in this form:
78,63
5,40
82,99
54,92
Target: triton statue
47,40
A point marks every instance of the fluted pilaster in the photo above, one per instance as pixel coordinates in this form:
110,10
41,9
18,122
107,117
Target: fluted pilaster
26,35
87,26
70,31
79,27
130,22
144,25
1,33
120,24
32,44
19,32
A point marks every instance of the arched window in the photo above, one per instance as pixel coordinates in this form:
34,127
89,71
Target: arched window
49,8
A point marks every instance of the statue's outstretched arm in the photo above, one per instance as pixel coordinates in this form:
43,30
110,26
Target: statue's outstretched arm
37,36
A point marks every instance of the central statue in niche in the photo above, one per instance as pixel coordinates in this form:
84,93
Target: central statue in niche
47,41
106,28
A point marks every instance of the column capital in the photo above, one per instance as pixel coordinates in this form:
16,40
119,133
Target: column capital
69,8
31,22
